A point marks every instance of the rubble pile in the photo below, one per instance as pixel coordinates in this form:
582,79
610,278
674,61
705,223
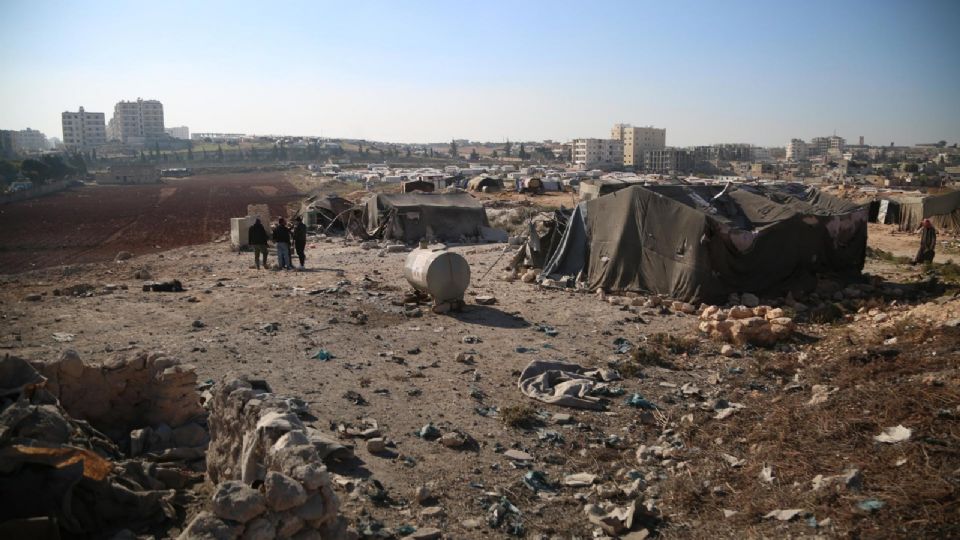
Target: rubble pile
64,472
741,325
267,469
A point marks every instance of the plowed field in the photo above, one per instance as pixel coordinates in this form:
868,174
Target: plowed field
94,223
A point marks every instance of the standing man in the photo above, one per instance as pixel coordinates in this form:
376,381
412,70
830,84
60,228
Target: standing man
928,243
300,240
281,237
257,236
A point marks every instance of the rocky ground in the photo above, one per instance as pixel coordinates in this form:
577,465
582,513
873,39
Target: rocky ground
755,442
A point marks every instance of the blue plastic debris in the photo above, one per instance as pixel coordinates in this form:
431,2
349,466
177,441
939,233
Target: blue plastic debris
537,481
622,345
636,400
323,355
871,505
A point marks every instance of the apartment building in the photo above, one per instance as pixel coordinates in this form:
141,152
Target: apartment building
597,154
668,161
179,132
637,140
30,140
83,130
824,145
797,150
136,122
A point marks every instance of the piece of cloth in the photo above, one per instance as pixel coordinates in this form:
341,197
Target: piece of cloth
258,250
562,383
257,234
281,234
283,255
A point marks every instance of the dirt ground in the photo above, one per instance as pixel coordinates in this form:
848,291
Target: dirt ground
403,373
94,223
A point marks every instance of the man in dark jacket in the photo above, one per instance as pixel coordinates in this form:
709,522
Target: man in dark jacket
257,236
300,240
281,237
928,243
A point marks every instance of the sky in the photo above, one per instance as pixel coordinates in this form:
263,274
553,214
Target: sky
711,71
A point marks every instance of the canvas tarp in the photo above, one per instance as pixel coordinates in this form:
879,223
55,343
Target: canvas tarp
705,242
411,216
943,210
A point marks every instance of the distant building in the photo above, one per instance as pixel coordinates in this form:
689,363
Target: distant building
30,140
597,154
637,140
179,132
217,137
136,122
668,161
130,174
797,150
8,144
821,146
83,130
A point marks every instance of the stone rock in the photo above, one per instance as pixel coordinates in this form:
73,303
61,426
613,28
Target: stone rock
530,276
206,526
432,512
33,297
236,501
562,418
308,534
485,300
740,312
750,300
376,445
517,455
122,256
422,494
728,351
311,475
283,492
425,534
453,440
579,480
259,529
191,434
313,509
288,524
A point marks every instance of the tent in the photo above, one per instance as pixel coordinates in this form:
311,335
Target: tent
417,185
705,242
411,216
483,181
943,210
322,210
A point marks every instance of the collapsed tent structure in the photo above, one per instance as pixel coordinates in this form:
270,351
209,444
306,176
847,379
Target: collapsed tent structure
705,242
325,211
409,217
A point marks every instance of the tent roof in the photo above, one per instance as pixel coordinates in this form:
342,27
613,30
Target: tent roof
414,200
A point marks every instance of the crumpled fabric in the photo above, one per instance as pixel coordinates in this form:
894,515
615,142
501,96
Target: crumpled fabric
562,383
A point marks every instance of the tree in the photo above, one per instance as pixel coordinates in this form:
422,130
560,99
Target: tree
523,152
219,153
360,148
156,150
911,167
408,151
431,151
93,155
190,153
253,153
8,171
35,170
204,150
453,149
507,147
474,156
496,155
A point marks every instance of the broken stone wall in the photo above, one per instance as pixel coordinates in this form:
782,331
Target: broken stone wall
267,469
127,392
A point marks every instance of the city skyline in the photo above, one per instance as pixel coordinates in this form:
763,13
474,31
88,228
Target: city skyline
741,72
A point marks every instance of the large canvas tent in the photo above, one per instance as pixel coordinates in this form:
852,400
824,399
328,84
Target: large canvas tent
705,242
943,210
411,216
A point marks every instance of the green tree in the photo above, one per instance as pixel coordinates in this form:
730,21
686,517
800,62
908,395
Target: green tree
474,156
496,155
190,153
253,153
156,150
523,152
360,148
453,150
507,148
35,170
408,151
911,167
93,155
8,171
219,153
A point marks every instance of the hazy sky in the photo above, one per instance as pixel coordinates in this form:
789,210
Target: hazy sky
417,71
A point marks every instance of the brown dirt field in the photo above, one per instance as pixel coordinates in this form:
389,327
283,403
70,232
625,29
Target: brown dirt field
93,223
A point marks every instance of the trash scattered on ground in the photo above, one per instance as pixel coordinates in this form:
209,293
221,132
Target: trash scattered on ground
561,383
636,400
893,435
323,355
537,481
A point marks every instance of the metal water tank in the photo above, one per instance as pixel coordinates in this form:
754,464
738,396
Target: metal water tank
442,274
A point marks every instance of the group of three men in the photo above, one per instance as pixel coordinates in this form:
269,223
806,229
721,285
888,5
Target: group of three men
281,236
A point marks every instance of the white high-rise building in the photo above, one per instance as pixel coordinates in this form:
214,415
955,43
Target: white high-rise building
597,153
136,122
797,150
637,140
179,132
83,130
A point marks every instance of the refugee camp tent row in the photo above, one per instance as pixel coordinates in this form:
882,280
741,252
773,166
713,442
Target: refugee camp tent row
704,242
408,217
943,210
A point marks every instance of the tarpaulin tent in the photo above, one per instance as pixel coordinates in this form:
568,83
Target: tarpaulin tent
483,181
325,209
705,242
412,216
943,210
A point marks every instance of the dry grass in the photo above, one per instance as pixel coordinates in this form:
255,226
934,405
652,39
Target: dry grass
519,416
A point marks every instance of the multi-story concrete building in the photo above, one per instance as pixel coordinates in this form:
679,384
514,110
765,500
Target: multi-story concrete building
668,161
136,122
597,154
824,145
637,140
30,140
179,132
797,150
83,130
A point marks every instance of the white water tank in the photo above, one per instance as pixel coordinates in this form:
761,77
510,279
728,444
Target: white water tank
442,274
